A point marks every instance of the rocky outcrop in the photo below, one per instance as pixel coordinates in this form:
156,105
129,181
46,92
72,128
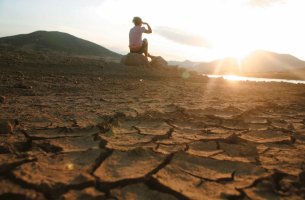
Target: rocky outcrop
135,59
158,62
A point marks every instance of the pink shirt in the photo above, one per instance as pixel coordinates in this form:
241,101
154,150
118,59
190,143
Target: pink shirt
135,36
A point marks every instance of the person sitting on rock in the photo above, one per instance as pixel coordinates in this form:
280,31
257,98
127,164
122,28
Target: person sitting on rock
136,44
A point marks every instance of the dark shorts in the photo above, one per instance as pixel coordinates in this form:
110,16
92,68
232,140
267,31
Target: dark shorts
143,48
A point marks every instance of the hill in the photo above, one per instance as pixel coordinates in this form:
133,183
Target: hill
256,62
185,64
56,42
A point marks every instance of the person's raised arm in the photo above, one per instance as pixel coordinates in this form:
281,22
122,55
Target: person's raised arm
149,28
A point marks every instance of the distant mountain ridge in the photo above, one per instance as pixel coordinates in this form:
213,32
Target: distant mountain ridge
186,63
56,41
256,62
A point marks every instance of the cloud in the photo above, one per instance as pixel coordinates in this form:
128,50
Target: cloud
182,37
264,3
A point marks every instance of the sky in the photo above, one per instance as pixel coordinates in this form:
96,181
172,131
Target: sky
197,30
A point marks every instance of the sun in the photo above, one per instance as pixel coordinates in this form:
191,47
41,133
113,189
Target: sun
239,57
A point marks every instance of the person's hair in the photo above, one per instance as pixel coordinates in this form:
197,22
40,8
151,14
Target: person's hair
137,21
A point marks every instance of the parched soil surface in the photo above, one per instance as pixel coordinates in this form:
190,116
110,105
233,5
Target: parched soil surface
91,129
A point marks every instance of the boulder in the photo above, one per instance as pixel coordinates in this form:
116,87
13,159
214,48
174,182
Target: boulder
135,59
5,127
158,62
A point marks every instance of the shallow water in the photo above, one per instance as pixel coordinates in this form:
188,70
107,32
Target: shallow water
244,78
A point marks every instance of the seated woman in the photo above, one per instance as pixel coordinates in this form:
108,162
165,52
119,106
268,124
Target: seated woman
136,45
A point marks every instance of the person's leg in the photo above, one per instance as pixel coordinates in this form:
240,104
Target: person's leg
145,47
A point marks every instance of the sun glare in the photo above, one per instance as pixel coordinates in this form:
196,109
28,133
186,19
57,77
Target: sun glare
239,57
233,78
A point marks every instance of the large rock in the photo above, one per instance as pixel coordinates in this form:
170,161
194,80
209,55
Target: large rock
158,62
134,59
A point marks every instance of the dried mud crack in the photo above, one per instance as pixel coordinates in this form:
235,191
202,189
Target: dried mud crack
79,133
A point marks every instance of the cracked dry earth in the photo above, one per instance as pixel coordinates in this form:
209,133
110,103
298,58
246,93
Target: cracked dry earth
88,136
